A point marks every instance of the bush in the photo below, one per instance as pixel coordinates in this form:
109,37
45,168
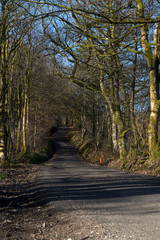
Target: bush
52,130
42,156
2,175
37,158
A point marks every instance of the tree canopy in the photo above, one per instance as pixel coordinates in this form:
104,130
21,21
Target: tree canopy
93,63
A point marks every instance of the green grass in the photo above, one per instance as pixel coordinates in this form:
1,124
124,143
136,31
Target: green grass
2,175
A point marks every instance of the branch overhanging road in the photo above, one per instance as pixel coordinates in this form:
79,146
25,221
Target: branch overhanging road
127,205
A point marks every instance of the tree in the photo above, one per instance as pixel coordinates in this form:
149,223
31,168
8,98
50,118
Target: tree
90,26
101,34
14,26
152,58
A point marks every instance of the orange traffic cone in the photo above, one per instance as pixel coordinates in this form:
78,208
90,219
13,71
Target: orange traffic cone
101,163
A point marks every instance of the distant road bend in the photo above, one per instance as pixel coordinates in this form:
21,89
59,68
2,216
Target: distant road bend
126,206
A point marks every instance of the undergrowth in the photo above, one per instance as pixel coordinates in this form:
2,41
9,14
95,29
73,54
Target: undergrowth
87,148
2,175
46,153
139,162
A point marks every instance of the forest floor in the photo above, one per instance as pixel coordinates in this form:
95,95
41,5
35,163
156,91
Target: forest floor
16,211
22,216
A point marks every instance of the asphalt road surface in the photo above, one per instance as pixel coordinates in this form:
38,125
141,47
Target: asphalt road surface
126,206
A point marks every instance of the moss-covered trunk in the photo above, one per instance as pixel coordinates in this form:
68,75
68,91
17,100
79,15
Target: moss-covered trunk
3,116
151,57
24,112
114,134
132,100
121,131
116,115
114,131
154,114
3,86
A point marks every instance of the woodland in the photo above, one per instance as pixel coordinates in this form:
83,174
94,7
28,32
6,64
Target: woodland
91,65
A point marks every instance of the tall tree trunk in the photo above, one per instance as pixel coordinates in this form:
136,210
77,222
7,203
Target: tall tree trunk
25,115
115,109
97,131
154,114
26,99
121,131
35,130
83,119
132,100
19,116
151,60
94,119
3,86
4,117
114,132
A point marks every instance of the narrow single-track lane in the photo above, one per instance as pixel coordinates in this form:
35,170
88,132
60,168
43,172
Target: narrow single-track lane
124,205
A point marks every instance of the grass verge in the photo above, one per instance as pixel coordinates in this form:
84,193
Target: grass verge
140,163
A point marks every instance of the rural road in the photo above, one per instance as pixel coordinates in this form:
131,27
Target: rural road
105,203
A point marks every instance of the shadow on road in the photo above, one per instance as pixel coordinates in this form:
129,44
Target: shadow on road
66,177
